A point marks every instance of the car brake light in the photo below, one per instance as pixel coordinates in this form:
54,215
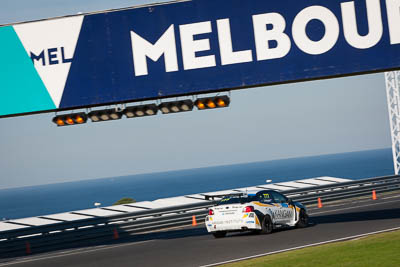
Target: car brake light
210,212
248,209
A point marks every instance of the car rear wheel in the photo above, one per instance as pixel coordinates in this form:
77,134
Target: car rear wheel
266,226
219,234
303,219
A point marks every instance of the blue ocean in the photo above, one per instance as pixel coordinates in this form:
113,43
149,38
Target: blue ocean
54,198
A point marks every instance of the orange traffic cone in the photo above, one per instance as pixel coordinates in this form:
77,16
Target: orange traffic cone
28,247
194,222
116,235
374,195
319,203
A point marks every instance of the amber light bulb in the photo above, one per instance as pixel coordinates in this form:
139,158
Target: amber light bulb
69,121
79,119
60,122
200,105
211,104
221,103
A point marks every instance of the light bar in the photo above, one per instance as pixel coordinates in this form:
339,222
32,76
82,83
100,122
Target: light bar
212,102
104,115
70,119
176,106
141,111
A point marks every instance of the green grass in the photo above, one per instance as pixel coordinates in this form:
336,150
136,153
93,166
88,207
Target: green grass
377,250
125,200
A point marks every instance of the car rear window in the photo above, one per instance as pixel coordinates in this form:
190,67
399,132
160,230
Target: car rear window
235,200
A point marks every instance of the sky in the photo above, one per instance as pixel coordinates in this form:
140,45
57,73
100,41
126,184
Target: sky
264,123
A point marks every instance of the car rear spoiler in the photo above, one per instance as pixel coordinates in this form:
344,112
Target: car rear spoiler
212,197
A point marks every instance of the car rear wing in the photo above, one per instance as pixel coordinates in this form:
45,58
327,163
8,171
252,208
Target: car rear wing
212,197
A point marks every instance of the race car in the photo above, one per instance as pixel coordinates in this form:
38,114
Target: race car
259,212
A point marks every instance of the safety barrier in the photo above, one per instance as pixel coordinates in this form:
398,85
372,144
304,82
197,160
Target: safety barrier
345,190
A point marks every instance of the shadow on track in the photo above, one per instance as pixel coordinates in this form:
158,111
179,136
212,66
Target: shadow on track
372,215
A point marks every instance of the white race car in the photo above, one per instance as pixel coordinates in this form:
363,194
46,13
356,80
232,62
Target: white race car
259,212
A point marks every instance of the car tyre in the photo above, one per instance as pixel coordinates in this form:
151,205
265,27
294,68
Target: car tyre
266,226
303,219
219,234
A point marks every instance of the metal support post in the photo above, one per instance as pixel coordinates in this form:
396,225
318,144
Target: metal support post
392,80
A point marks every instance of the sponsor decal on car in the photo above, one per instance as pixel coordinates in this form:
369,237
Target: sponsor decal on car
282,214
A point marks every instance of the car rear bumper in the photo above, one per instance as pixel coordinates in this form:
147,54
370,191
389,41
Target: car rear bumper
248,222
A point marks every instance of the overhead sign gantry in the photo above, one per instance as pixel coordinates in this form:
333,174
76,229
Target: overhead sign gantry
190,47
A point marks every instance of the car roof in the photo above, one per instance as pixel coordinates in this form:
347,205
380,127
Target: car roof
254,192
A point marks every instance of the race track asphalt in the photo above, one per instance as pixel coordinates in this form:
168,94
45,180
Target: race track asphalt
195,247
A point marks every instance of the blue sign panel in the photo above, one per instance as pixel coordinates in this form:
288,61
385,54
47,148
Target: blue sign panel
192,47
